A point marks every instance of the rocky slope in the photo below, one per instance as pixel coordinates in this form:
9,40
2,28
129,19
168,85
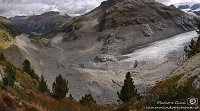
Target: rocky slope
39,23
119,24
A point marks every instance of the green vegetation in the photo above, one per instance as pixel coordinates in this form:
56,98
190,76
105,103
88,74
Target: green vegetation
173,91
77,26
5,39
87,100
10,77
7,32
2,57
27,95
27,68
60,88
194,47
43,85
9,27
128,89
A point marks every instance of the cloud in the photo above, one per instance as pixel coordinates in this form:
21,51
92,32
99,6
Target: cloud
10,8
168,2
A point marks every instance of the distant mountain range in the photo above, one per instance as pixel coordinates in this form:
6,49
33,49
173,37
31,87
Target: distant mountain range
39,23
194,8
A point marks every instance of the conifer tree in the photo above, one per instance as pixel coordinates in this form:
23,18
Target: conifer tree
43,85
60,88
27,68
128,90
71,97
11,75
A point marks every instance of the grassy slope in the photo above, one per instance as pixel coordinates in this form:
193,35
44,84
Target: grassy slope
31,98
178,87
5,39
8,31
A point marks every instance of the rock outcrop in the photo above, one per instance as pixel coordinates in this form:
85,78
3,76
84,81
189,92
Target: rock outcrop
147,30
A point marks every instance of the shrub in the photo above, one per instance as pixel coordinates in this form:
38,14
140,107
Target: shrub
43,85
87,100
2,57
77,26
123,107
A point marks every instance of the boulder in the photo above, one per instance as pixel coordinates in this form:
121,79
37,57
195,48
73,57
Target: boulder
2,73
105,58
162,27
147,31
18,85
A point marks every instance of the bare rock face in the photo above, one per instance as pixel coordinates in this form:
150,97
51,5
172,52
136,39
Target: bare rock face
2,73
139,12
197,82
147,31
162,27
72,36
197,12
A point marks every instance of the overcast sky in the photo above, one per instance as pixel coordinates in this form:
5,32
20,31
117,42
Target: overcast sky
10,8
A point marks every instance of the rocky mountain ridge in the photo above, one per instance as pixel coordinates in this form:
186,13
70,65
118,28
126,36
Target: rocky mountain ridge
195,8
39,23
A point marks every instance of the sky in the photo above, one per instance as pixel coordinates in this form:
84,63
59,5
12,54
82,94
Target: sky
11,8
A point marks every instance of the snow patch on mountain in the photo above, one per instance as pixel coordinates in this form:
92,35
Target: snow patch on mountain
192,9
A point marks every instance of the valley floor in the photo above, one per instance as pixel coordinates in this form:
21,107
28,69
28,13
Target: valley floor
148,65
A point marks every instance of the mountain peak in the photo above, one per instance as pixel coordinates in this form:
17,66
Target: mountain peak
195,6
51,13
